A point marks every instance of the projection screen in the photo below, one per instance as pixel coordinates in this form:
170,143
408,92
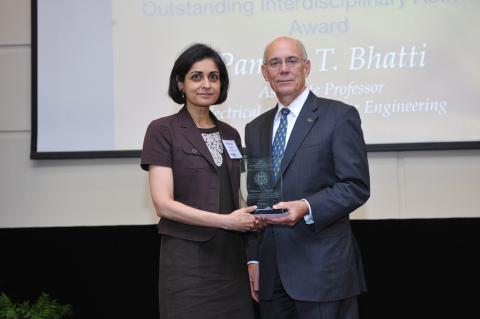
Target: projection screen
101,67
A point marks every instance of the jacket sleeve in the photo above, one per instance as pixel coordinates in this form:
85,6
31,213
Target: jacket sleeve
352,186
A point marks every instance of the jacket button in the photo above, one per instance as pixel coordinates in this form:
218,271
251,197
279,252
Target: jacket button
194,151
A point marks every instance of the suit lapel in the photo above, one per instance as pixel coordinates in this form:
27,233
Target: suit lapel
307,117
192,134
222,129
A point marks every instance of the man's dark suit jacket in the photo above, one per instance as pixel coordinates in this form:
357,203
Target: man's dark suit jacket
174,141
325,162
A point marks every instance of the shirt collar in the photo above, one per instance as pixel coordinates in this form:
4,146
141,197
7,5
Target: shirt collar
296,106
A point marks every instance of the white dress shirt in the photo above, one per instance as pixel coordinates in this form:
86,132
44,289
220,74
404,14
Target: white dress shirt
295,107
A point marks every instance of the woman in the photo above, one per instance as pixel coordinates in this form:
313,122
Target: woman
194,184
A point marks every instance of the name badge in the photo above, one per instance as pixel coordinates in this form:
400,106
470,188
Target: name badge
232,149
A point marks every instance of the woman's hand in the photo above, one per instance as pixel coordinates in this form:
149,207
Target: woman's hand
241,219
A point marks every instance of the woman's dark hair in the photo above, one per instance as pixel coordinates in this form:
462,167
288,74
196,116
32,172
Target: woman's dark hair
183,64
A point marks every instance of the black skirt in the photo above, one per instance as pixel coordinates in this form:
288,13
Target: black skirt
205,280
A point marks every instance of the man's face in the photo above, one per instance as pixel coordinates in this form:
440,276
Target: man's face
285,69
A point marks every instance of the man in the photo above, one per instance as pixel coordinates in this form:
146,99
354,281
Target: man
307,264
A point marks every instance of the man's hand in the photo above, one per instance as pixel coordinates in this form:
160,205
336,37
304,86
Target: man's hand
297,209
253,276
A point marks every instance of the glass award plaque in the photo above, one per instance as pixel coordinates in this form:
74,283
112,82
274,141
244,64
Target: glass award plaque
259,186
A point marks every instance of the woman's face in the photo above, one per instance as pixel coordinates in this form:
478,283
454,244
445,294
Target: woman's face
201,85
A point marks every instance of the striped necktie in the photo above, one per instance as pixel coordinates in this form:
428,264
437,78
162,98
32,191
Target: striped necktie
278,146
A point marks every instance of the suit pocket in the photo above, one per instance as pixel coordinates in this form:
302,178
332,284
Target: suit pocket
316,152
308,145
193,158
313,165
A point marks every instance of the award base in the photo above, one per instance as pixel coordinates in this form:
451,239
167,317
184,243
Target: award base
269,212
